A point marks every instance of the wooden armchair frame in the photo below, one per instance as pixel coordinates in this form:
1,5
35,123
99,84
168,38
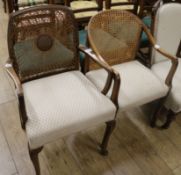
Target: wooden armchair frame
12,69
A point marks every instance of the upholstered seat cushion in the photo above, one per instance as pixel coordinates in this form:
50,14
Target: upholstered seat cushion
62,104
24,3
138,84
75,5
174,99
122,7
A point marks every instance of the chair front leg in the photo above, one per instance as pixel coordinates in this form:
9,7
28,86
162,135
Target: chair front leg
170,117
157,112
34,158
109,129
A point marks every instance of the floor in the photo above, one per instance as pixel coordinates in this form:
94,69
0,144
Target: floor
135,148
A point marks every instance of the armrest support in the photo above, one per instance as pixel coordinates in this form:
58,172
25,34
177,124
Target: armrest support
112,74
174,60
11,72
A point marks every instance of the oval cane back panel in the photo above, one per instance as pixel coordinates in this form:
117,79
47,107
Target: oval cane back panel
115,34
43,40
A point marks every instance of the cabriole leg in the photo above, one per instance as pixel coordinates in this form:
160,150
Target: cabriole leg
34,158
157,113
170,118
109,129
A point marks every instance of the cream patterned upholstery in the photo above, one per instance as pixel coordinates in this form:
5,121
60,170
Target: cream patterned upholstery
168,34
167,29
138,84
122,7
26,3
81,4
61,104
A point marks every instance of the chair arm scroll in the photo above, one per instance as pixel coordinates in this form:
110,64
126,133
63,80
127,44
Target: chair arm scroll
11,72
173,59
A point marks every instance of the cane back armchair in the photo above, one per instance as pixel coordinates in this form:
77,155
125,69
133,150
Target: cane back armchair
168,34
55,98
114,36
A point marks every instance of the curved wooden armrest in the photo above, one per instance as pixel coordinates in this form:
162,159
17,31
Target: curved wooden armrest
99,60
112,74
174,60
11,72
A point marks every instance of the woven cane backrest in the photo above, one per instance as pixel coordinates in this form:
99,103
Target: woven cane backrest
115,34
43,41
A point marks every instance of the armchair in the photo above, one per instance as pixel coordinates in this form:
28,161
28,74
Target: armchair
114,36
168,34
55,98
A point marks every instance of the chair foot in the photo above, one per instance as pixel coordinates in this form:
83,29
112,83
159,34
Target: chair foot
103,152
109,129
34,158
